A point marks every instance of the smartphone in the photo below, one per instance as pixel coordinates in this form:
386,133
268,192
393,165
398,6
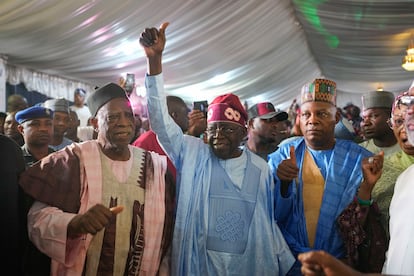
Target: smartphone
202,106
129,83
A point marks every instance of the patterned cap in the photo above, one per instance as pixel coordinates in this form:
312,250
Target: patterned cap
266,110
227,108
320,90
33,112
377,99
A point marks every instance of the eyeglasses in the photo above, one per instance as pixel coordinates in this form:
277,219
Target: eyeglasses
405,100
396,122
227,130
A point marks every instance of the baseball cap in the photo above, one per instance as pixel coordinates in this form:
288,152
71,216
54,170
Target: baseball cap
266,110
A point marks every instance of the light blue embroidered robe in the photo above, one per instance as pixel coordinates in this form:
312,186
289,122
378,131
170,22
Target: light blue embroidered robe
257,246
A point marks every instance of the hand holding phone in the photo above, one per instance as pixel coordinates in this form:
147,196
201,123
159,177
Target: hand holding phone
130,83
202,106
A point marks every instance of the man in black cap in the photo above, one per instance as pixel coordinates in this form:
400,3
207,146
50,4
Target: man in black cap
36,127
267,127
94,199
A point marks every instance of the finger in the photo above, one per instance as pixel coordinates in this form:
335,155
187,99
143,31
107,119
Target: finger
309,271
381,155
163,27
145,41
117,209
92,225
292,154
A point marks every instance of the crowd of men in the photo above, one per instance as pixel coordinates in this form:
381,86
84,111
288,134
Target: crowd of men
230,191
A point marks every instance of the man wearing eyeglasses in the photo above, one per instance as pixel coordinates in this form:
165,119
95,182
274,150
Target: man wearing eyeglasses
225,216
376,111
318,176
397,162
401,249
267,127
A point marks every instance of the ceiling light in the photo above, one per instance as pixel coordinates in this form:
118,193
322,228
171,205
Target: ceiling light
408,60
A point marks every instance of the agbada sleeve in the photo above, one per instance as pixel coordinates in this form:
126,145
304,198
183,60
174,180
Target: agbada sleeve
47,228
55,180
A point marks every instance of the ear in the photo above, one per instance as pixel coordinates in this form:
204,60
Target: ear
20,128
173,115
250,123
338,116
94,123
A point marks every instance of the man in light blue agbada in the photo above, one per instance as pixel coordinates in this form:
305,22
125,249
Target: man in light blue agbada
224,218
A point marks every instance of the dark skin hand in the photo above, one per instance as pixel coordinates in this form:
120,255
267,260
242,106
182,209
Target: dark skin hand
197,123
372,172
92,221
153,42
287,171
321,263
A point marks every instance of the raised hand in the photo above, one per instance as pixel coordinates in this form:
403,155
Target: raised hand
153,40
372,170
288,169
197,123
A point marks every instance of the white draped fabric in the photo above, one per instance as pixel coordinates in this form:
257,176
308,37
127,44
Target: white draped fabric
258,49
2,84
52,86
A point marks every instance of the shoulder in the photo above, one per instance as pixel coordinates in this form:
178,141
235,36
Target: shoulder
145,139
291,140
255,159
284,148
146,135
351,145
12,155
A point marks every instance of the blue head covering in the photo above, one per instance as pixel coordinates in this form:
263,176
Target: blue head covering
33,112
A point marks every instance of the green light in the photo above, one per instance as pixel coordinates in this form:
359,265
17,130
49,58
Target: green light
309,9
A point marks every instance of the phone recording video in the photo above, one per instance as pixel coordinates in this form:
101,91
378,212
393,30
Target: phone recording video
202,106
130,83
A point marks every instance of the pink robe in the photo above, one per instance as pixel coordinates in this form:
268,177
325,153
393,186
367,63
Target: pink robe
69,182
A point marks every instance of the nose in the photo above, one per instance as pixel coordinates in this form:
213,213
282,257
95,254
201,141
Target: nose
216,132
126,119
312,119
410,110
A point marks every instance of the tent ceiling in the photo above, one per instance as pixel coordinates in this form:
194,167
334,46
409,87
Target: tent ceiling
260,50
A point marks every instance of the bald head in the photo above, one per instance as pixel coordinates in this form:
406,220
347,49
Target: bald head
16,102
178,111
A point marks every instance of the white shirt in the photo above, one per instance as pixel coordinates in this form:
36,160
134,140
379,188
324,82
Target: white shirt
400,255
83,114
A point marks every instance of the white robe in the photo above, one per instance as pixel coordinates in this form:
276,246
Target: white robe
400,255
